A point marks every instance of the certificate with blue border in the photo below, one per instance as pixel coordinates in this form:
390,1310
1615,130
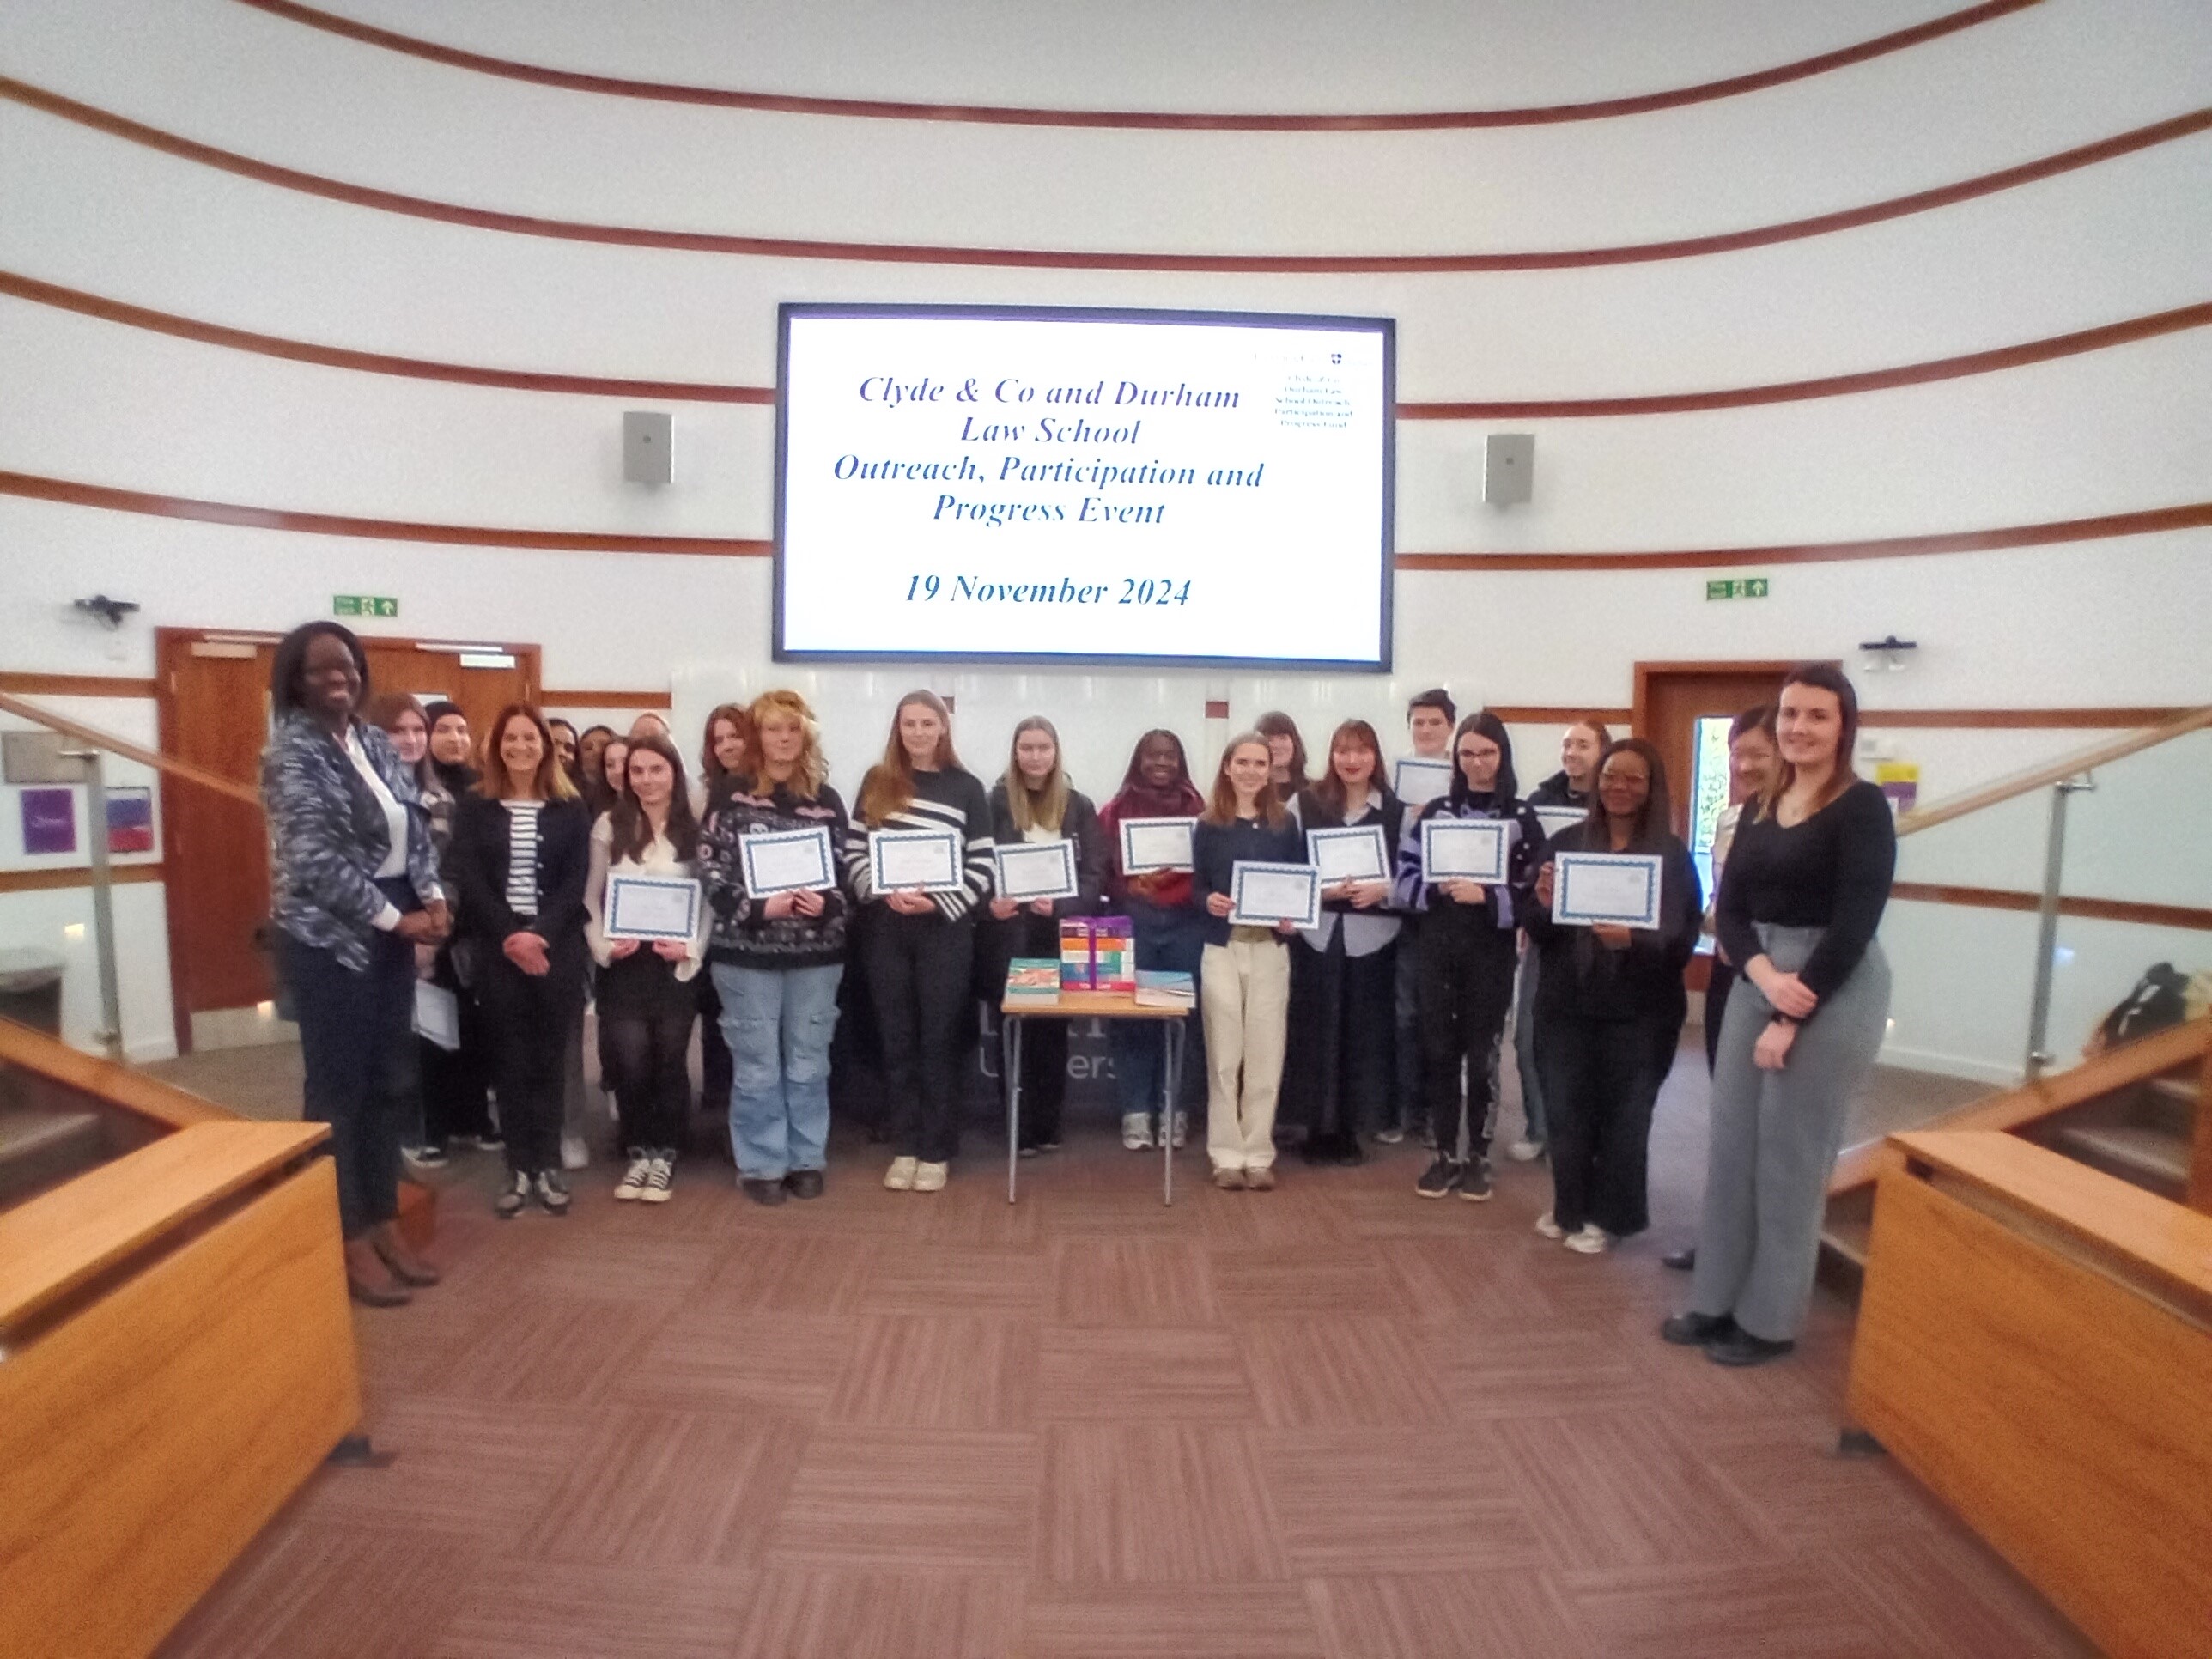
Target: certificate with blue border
1357,852
1151,845
1262,895
652,908
1556,819
1029,870
925,860
1464,849
1418,780
1619,888
786,861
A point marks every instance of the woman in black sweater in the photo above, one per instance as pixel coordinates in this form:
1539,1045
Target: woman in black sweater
1806,884
521,852
1609,1007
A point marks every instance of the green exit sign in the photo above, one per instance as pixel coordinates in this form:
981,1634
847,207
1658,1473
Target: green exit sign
363,605
1742,587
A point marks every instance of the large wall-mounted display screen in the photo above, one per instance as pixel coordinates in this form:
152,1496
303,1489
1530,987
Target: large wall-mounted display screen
1083,487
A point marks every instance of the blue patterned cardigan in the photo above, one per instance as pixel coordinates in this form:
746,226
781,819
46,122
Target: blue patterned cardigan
327,835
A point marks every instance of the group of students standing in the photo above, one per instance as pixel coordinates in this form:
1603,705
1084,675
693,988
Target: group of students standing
405,855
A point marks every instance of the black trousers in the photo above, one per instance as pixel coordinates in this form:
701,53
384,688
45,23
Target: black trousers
919,971
1465,978
716,1068
646,1015
1717,991
1339,1062
533,1019
353,1036
457,1083
1601,1079
1044,1041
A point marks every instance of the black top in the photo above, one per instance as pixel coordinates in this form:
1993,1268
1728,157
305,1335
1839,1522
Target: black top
480,859
1833,871
1556,790
1079,824
1314,813
1580,978
1215,850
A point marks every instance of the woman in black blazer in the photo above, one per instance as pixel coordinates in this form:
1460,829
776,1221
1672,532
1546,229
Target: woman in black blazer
521,851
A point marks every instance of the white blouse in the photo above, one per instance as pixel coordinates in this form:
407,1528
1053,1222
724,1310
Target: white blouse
660,859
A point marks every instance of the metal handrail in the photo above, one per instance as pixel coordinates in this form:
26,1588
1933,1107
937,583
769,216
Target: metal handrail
12,704
2053,772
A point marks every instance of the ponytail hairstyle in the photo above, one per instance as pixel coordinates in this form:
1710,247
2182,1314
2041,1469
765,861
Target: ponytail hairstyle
889,786
1821,677
1507,788
1221,806
631,833
1036,809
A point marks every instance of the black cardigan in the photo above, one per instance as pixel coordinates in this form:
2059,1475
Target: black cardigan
1215,850
564,855
1578,978
1079,825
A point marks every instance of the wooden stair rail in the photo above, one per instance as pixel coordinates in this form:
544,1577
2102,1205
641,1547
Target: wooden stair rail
10,703
160,1103
2042,777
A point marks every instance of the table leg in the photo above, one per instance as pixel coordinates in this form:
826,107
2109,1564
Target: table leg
1171,1067
1009,1067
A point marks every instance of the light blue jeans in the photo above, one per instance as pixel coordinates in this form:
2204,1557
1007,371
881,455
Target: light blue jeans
778,1023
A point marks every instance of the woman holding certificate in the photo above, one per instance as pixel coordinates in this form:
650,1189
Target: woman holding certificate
1244,976
1337,1075
1158,797
1806,882
645,925
1609,998
1062,861
1469,864
772,846
925,859
521,852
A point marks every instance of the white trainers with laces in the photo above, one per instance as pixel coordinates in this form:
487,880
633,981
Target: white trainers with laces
900,1177
660,1175
930,1177
1592,1240
1136,1130
632,1185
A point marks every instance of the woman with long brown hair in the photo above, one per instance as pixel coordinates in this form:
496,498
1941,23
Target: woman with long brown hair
521,852
726,752
1286,754
920,954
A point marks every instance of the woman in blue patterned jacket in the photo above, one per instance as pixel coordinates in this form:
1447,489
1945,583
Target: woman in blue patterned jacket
354,886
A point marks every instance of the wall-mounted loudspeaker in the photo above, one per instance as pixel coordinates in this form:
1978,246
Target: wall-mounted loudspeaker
647,453
1509,467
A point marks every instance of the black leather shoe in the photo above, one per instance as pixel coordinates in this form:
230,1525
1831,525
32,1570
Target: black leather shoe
803,1183
762,1192
1680,1260
1690,1330
1740,1348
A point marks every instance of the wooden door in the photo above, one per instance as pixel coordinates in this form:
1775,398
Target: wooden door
214,701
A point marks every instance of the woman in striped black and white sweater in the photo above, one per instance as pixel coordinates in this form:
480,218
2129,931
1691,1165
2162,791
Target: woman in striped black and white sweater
919,955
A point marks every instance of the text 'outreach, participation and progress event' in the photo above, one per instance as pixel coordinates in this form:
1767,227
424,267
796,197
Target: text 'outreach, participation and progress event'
1084,485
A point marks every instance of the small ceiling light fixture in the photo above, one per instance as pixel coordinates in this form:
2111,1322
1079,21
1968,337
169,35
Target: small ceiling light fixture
1886,655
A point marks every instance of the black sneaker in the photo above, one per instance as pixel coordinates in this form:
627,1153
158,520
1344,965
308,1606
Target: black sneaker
424,1157
762,1190
1692,1330
803,1183
512,1197
1739,1347
552,1191
1475,1183
1441,1178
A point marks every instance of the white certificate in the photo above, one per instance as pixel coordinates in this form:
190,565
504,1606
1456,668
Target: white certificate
1349,854
1153,844
1463,849
1036,869
786,861
1622,888
1262,895
1556,819
652,908
437,1015
1419,780
926,859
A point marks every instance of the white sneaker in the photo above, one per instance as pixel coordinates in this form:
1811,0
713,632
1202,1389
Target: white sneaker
1182,1129
930,1177
574,1155
1592,1240
900,1177
1136,1130
1525,1151
632,1185
660,1173
1549,1227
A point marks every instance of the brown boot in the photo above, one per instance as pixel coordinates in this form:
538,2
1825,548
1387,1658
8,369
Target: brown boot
367,1281
407,1267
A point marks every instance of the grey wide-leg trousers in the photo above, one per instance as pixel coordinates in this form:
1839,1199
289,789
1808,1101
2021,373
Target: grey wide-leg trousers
1775,1137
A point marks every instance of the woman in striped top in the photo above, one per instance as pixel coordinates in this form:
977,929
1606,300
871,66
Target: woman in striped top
919,954
521,851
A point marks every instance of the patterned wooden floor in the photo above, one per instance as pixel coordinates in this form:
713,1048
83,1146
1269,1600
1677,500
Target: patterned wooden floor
1331,1420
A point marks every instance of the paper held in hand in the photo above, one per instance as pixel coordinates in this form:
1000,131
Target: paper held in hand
1620,888
652,908
1556,819
1417,780
1032,870
1262,895
1150,845
924,860
1463,849
1352,854
437,1015
786,861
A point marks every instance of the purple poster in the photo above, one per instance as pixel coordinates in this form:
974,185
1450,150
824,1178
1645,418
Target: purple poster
50,821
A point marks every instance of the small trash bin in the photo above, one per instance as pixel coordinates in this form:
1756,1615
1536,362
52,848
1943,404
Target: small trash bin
31,990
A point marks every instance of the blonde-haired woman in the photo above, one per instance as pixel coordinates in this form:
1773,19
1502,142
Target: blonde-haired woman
776,961
1034,802
920,952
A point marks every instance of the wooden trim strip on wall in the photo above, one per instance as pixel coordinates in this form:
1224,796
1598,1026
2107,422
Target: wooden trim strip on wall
45,881
75,685
69,492
1539,714
2127,332
605,700
1899,207
1953,719
2096,909
9,703
1004,115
